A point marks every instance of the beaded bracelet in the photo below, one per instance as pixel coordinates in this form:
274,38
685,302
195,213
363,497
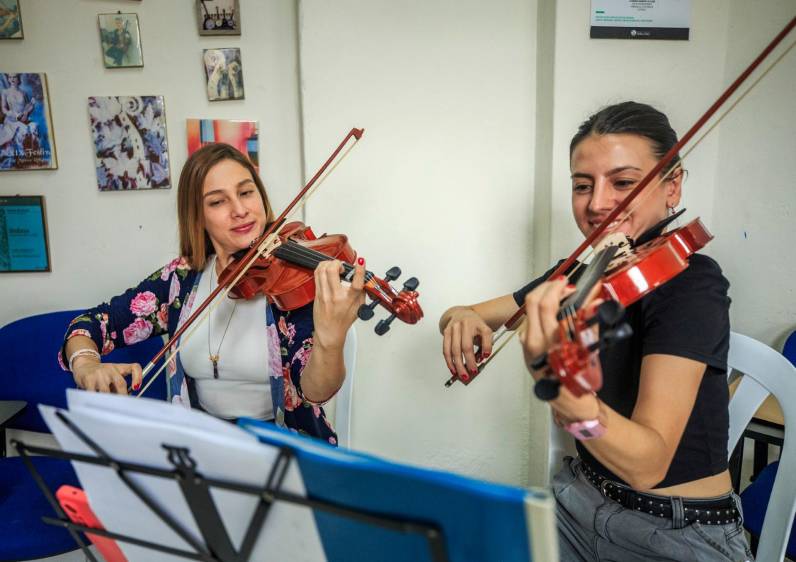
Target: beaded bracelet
84,351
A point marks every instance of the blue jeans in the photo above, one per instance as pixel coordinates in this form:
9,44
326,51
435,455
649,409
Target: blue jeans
592,527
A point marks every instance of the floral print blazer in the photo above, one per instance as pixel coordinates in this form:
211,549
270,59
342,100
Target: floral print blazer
162,302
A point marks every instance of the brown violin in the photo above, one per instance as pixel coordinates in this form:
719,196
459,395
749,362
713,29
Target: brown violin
285,276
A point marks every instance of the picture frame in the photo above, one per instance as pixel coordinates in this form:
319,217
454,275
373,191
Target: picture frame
24,246
27,137
218,17
223,74
11,20
120,40
130,142
241,134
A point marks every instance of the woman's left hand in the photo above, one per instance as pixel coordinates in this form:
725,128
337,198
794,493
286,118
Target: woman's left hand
541,312
541,332
335,307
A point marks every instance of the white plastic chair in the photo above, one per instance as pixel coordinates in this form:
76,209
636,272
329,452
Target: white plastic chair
339,408
767,372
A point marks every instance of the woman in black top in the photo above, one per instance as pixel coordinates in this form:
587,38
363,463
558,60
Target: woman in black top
651,481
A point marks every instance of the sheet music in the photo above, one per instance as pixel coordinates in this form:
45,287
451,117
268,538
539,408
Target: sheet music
133,430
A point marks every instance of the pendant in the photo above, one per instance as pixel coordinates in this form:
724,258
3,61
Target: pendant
214,361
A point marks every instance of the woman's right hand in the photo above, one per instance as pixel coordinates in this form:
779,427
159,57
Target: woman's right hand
92,375
465,330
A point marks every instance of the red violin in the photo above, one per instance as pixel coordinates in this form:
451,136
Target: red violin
285,276
574,360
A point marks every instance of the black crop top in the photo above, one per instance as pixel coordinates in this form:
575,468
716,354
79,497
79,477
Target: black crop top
687,317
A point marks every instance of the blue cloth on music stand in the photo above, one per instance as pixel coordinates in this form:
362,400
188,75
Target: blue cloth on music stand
480,521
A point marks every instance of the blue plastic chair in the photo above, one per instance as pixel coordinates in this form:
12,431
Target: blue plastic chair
29,371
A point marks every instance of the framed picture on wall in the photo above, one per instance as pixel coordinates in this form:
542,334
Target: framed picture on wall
224,74
130,146
23,234
218,17
27,141
120,39
243,135
10,20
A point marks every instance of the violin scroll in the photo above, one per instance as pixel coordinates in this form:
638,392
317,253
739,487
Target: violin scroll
401,304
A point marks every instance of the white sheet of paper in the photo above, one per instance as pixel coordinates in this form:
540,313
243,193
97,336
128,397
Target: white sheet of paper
133,430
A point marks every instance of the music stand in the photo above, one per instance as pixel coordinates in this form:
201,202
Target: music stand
364,508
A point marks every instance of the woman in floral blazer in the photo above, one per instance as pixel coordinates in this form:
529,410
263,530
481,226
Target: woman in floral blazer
222,208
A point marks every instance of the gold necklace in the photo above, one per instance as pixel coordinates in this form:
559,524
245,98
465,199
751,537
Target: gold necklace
214,357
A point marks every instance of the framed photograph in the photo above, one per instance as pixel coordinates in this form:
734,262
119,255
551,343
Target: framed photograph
27,141
218,17
243,135
10,20
224,74
131,149
23,234
120,39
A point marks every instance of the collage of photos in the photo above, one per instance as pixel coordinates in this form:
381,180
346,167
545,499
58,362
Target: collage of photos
129,135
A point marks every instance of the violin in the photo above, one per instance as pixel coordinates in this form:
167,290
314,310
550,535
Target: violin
285,276
574,360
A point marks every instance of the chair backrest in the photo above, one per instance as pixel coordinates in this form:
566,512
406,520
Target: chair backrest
29,367
340,407
767,372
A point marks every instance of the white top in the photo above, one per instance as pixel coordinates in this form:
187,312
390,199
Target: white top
243,385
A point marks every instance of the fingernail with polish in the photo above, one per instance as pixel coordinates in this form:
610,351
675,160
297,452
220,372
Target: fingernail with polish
136,386
361,261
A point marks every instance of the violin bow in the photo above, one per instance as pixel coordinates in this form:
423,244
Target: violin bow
513,322
264,245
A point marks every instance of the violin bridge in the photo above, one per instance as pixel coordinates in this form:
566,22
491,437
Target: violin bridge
268,245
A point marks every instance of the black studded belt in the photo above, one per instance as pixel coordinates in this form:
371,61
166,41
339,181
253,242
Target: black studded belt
712,511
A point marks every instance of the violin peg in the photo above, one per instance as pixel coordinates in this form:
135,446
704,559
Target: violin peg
383,326
610,313
365,311
411,284
392,274
547,388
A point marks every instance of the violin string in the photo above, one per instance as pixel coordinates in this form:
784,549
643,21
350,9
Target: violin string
262,247
310,258
509,334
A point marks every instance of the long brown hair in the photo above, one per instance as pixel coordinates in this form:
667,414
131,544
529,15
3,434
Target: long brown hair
195,244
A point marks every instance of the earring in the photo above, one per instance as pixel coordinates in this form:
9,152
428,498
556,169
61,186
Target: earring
672,210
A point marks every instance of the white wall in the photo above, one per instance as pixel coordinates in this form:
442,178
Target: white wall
441,185
754,213
102,243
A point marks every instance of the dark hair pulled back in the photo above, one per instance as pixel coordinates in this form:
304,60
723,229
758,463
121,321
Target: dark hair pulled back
633,118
